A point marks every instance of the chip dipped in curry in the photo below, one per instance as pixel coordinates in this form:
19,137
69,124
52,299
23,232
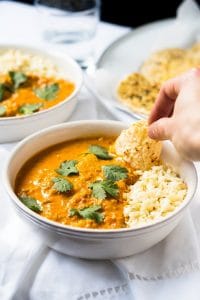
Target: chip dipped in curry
101,182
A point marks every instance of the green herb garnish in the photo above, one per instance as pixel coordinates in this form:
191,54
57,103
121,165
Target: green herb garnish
68,167
98,190
31,203
100,152
114,172
2,110
2,90
62,185
104,188
91,212
17,78
28,109
47,92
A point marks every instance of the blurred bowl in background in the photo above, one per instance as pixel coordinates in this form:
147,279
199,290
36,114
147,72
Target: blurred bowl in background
16,128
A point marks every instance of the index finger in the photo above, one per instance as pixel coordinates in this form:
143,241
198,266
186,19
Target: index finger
164,103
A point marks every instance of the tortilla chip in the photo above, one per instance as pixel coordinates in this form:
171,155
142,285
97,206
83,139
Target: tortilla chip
136,148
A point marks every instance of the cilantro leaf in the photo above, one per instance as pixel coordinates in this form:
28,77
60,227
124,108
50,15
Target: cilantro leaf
2,90
114,172
31,203
104,188
17,78
100,152
98,190
73,212
28,109
68,167
91,212
111,188
62,185
48,92
2,110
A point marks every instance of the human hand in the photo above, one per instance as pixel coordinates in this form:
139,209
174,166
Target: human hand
176,114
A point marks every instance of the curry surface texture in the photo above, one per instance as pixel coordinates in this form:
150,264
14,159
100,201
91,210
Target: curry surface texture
25,94
35,180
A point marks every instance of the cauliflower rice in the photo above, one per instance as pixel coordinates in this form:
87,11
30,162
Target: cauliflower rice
156,194
31,64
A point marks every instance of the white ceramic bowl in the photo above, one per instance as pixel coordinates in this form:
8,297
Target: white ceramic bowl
15,128
90,243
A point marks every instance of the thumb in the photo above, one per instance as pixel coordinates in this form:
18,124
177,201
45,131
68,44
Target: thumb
161,129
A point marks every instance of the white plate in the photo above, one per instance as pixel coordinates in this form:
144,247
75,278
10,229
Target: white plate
121,58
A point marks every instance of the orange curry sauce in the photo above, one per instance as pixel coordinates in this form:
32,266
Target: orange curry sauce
35,180
25,93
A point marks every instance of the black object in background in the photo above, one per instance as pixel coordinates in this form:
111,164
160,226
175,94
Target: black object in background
135,12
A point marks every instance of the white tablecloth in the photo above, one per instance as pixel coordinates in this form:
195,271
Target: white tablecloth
38,272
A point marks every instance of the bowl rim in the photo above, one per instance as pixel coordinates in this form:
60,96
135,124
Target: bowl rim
79,230
52,56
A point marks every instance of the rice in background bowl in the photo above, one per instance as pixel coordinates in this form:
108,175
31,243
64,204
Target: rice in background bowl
29,63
